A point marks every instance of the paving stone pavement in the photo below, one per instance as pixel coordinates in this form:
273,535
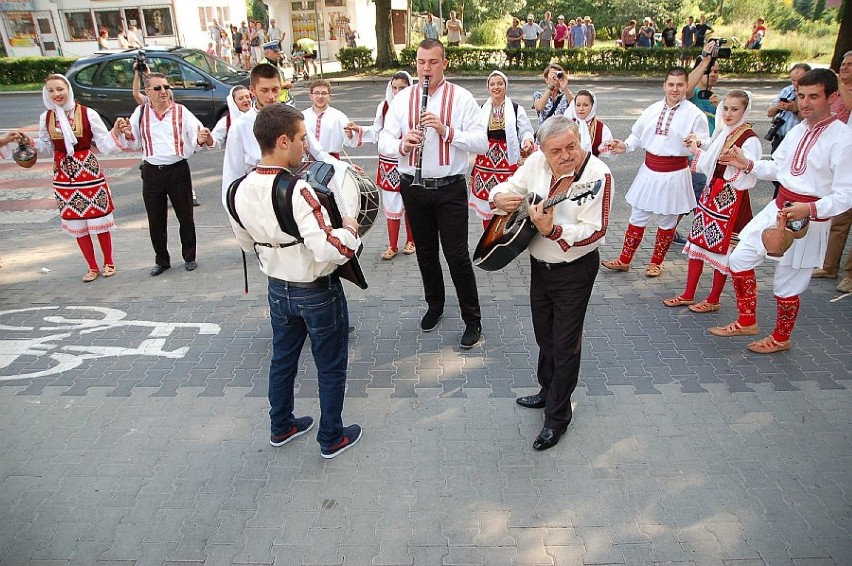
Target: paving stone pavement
135,419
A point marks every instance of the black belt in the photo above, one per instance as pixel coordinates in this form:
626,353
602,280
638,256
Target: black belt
435,183
163,167
559,265
324,282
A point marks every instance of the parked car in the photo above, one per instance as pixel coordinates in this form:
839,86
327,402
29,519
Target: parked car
200,81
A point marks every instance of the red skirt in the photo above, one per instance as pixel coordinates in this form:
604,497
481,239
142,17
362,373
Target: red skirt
491,168
79,186
722,212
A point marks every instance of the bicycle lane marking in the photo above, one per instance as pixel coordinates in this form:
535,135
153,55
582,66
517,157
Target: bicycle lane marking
67,357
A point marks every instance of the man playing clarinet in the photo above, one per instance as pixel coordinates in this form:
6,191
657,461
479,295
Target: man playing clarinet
434,141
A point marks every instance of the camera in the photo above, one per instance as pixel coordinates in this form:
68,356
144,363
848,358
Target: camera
773,129
560,75
720,52
140,63
705,94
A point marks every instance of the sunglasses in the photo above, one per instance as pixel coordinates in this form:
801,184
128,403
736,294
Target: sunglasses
158,88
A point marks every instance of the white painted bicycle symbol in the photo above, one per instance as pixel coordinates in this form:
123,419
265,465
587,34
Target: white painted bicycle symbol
18,342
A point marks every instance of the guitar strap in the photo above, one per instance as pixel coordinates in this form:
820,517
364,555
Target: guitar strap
563,185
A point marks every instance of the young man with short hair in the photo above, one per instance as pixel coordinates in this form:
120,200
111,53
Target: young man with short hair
331,127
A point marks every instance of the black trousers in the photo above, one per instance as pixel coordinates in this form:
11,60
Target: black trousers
439,217
776,141
558,300
175,184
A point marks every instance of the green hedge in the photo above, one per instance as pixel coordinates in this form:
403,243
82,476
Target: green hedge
24,70
619,60
352,58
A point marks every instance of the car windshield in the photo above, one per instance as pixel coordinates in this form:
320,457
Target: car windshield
212,65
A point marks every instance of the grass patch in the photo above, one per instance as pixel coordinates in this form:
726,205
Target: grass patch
34,87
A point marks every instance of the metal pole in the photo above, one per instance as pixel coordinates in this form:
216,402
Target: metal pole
318,28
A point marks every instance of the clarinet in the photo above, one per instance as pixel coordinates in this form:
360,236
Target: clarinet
417,182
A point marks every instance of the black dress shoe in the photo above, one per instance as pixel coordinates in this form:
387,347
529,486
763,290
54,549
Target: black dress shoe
190,265
430,320
159,269
471,336
531,401
548,438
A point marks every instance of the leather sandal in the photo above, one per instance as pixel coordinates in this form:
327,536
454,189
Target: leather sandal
616,265
769,345
91,275
409,248
705,306
678,301
734,329
390,253
109,270
653,270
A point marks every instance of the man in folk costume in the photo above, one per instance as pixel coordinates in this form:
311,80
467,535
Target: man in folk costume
450,129
564,261
387,174
329,126
663,185
168,134
724,207
242,152
67,131
510,135
812,166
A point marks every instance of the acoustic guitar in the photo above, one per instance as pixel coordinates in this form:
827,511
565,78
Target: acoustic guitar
508,235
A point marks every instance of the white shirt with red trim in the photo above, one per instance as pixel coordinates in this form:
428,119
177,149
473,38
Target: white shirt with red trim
661,128
813,160
164,139
327,128
323,249
442,157
580,221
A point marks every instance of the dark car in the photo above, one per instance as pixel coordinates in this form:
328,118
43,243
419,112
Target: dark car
200,81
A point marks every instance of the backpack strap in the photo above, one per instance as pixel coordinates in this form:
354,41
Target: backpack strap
282,203
230,200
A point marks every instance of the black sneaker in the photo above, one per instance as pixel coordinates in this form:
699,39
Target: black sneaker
472,335
678,238
351,435
430,320
302,425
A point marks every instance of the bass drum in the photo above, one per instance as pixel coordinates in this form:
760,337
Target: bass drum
356,195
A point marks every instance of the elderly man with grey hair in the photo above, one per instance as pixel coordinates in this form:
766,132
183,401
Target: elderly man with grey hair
564,259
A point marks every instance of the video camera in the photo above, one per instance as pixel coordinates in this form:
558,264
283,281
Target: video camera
718,52
140,63
777,122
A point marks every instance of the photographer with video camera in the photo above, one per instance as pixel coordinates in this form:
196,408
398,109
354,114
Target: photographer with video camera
140,71
784,111
553,100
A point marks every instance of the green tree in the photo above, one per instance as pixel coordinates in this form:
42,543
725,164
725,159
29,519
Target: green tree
844,36
256,10
385,52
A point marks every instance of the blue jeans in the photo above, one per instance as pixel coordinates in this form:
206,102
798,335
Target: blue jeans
323,315
699,181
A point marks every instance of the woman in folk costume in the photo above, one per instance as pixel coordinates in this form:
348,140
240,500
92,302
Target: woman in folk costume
724,207
510,137
387,175
239,101
583,110
67,131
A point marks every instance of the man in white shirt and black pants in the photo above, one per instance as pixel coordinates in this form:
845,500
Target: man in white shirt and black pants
438,211
168,134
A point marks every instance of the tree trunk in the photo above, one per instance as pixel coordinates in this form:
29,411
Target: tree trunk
844,36
385,53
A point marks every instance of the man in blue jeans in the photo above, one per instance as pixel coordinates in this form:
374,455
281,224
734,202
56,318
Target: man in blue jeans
305,295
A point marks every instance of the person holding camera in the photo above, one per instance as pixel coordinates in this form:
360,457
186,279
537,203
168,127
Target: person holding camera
784,111
554,98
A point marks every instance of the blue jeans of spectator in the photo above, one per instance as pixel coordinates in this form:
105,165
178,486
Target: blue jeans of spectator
322,314
699,181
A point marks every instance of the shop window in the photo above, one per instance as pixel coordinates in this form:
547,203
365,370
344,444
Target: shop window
133,17
21,29
79,26
158,21
109,20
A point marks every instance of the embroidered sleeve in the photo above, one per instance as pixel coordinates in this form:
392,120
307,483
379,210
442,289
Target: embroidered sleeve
327,244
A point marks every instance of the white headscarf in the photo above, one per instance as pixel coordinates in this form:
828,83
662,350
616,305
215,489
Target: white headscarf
708,158
389,89
513,145
62,113
571,114
233,110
